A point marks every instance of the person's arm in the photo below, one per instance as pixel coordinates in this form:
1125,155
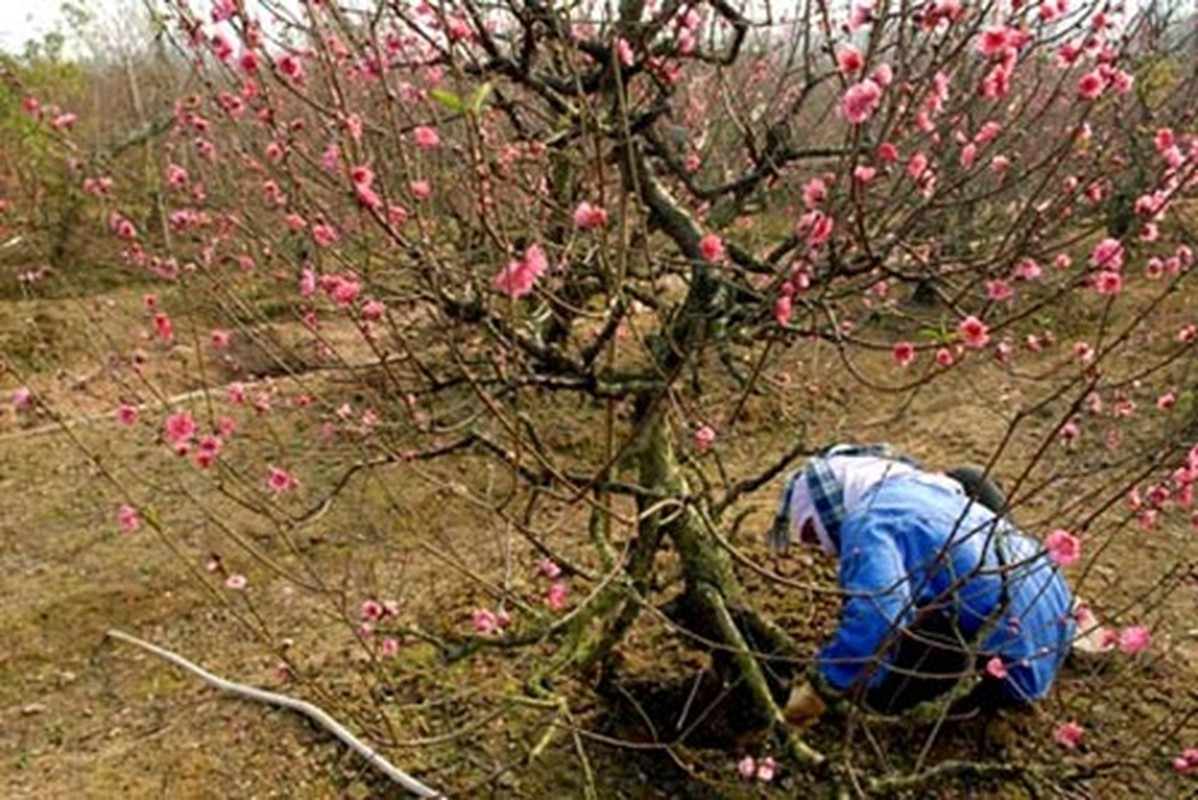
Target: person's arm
877,602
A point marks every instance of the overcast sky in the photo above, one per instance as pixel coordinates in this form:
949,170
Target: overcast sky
21,20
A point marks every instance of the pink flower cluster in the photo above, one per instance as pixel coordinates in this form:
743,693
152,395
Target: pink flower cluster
587,216
751,769
1063,547
487,621
519,276
1069,734
558,591
1187,762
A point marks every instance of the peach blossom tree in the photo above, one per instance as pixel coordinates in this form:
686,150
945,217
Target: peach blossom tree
652,218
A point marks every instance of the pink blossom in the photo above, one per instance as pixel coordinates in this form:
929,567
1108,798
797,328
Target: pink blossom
1187,762
704,436
999,290
973,332
1108,282
458,29
711,247
421,190
209,448
176,176
248,62
515,280
555,598
280,480
426,138
587,216
815,191
397,214
783,309
324,235
861,101
987,133
917,165
995,668
1063,547
126,415
236,582
389,647
995,41
485,621
235,393
128,519
945,357
767,768
163,327
330,157
1135,639
815,227
122,227
1028,270
747,767
996,83
883,75
549,568
23,399
863,173
1107,254
1069,734
290,67
518,278
903,353
371,610
1091,85
849,60
179,427
624,52
1121,81
373,310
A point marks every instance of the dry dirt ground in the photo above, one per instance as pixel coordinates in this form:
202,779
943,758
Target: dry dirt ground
82,716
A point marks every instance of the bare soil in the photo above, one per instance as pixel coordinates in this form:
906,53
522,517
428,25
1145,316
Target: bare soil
82,716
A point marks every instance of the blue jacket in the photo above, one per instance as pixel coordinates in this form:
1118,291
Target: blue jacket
912,546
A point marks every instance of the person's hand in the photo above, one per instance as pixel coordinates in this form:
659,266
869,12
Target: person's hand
804,707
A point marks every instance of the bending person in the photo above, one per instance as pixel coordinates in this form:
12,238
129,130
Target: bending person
938,588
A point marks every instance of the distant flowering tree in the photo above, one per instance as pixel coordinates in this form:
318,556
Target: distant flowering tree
648,216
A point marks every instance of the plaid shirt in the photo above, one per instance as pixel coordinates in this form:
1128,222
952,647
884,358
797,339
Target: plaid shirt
827,494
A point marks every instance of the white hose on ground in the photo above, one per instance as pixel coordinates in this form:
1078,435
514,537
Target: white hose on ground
315,713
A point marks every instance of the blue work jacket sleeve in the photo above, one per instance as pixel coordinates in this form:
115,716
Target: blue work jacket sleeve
877,604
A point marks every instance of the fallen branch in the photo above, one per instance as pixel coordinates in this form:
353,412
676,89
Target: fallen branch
315,713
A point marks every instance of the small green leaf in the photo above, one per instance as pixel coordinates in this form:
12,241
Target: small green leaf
448,99
480,97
